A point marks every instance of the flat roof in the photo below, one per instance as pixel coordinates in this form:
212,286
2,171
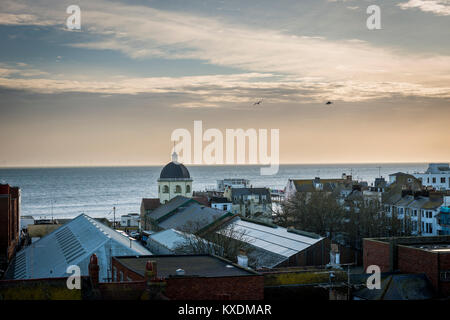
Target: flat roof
437,244
435,247
208,266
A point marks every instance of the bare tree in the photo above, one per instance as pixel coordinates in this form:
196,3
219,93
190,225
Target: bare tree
318,212
321,213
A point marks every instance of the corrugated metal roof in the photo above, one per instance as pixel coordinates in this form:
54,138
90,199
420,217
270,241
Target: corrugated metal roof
275,240
73,244
168,207
192,215
170,238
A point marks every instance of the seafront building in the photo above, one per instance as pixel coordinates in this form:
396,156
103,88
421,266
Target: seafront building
221,203
174,180
130,220
437,176
344,185
232,183
250,202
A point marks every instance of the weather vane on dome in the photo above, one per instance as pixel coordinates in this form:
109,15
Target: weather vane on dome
174,154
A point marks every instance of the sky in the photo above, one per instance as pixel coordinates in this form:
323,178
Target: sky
112,92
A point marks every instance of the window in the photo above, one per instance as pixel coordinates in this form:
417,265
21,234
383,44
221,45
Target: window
188,189
166,189
434,180
443,180
177,189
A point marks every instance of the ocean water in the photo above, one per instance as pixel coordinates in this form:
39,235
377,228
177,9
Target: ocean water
68,192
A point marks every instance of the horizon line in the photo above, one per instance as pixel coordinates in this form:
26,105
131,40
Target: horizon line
206,165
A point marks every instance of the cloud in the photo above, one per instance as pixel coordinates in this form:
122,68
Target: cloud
439,7
272,62
21,70
22,19
214,91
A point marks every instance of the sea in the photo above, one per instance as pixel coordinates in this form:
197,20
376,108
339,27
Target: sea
68,192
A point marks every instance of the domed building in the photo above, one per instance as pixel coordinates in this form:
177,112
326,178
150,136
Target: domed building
174,180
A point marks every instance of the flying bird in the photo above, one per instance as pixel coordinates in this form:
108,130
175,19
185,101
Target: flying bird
258,102
329,102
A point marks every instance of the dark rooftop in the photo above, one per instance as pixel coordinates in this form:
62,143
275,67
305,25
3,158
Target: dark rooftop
437,244
150,203
194,265
174,170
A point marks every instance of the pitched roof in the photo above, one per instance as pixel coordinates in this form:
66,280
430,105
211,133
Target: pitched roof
72,244
219,200
168,207
193,214
405,201
432,204
202,199
273,244
249,191
150,203
170,238
391,198
418,203
307,185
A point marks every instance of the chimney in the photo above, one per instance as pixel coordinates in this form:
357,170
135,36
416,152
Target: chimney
392,254
150,271
242,259
94,270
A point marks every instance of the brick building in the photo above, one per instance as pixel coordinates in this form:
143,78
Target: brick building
193,277
427,255
9,221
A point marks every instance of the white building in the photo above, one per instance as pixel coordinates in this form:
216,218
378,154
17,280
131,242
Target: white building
232,183
130,220
221,203
436,176
422,212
